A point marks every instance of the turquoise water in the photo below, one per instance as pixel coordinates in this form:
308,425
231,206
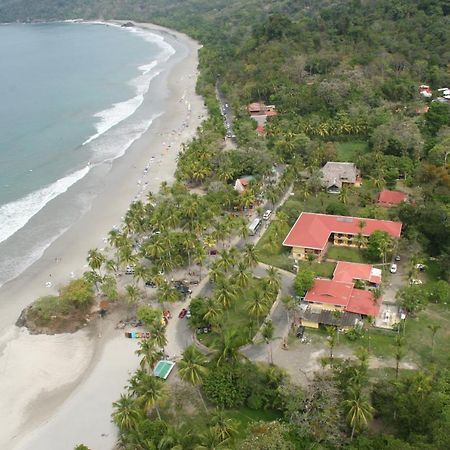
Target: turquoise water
71,96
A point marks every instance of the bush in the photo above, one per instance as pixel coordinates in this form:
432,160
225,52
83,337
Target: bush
338,209
78,292
46,307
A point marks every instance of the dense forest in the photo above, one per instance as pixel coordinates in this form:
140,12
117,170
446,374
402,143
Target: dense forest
338,72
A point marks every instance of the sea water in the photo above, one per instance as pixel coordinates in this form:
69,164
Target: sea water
70,98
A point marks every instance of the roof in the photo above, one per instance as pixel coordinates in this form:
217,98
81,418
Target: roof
347,272
312,230
246,180
334,173
261,129
256,107
391,197
330,292
328,317
363,302
337,293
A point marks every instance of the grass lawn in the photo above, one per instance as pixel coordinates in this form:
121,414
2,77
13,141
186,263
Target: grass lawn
324,269
271,251
348,151
245,416
349,254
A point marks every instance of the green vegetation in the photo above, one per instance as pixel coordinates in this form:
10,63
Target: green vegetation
341,74
350,151
351,254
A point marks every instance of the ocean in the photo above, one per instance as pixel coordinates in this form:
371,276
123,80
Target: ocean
72,96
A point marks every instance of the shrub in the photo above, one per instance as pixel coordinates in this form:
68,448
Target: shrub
78,292
46,307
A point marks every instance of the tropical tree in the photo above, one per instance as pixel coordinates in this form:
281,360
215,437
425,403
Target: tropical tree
148,353
267,333
434,329
242,275
192,368
399,353
167,294
126,414
133,294
225,427
147,389
358,409
273,278
210,440
344,194
227,346
257,306
158,333
251,255
95,260
225,292
212,311
331,339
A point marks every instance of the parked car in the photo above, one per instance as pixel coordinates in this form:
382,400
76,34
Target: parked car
397,258
421,267
267,214
393,268
415,281
183,313
150,284
129,270
188,314
213,252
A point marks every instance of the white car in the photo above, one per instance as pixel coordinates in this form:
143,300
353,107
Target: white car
421,267
267,214
416,282
393,268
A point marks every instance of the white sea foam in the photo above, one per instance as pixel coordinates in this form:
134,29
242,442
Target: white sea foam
15,215
14,266
118,112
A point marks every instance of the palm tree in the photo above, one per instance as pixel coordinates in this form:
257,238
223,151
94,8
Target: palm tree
212,311
95,260
434,329
167,293
226,428
192,369
225,293
290,305
359,411
210,440
242,275
226,260
150,356
257,306
251,255
273,278
344,194
133,294
126,414
141,273
158,333
228,346
399,353
149,390
267,334
331,339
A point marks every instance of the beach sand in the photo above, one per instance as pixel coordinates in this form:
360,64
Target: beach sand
56,391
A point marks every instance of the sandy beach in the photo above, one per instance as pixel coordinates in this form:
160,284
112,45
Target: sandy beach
56,391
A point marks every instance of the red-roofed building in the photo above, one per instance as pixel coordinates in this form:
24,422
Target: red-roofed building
241,184
331,295
347,272
312,232
391,198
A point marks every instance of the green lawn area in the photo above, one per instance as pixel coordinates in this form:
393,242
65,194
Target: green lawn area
324,269
245,416
346,254
348,151
271,251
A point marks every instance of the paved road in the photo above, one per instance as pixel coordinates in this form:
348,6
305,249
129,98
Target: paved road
227,113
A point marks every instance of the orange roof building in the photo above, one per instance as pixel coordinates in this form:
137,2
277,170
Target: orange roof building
312,232
348,272
391,198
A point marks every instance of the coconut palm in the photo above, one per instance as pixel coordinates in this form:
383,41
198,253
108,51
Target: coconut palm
226,260
126,414
158,333
273,278
434,329
227,346
167,293
133,294
331,339
224,293
399,353
95,260
257,306
344,194
359,411
149,390
192,369
148,353
212,311
141,273
251,255
242,275
210,440
225,427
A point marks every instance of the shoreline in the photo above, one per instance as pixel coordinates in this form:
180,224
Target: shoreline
184,111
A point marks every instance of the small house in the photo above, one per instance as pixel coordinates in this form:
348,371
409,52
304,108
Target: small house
335,175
